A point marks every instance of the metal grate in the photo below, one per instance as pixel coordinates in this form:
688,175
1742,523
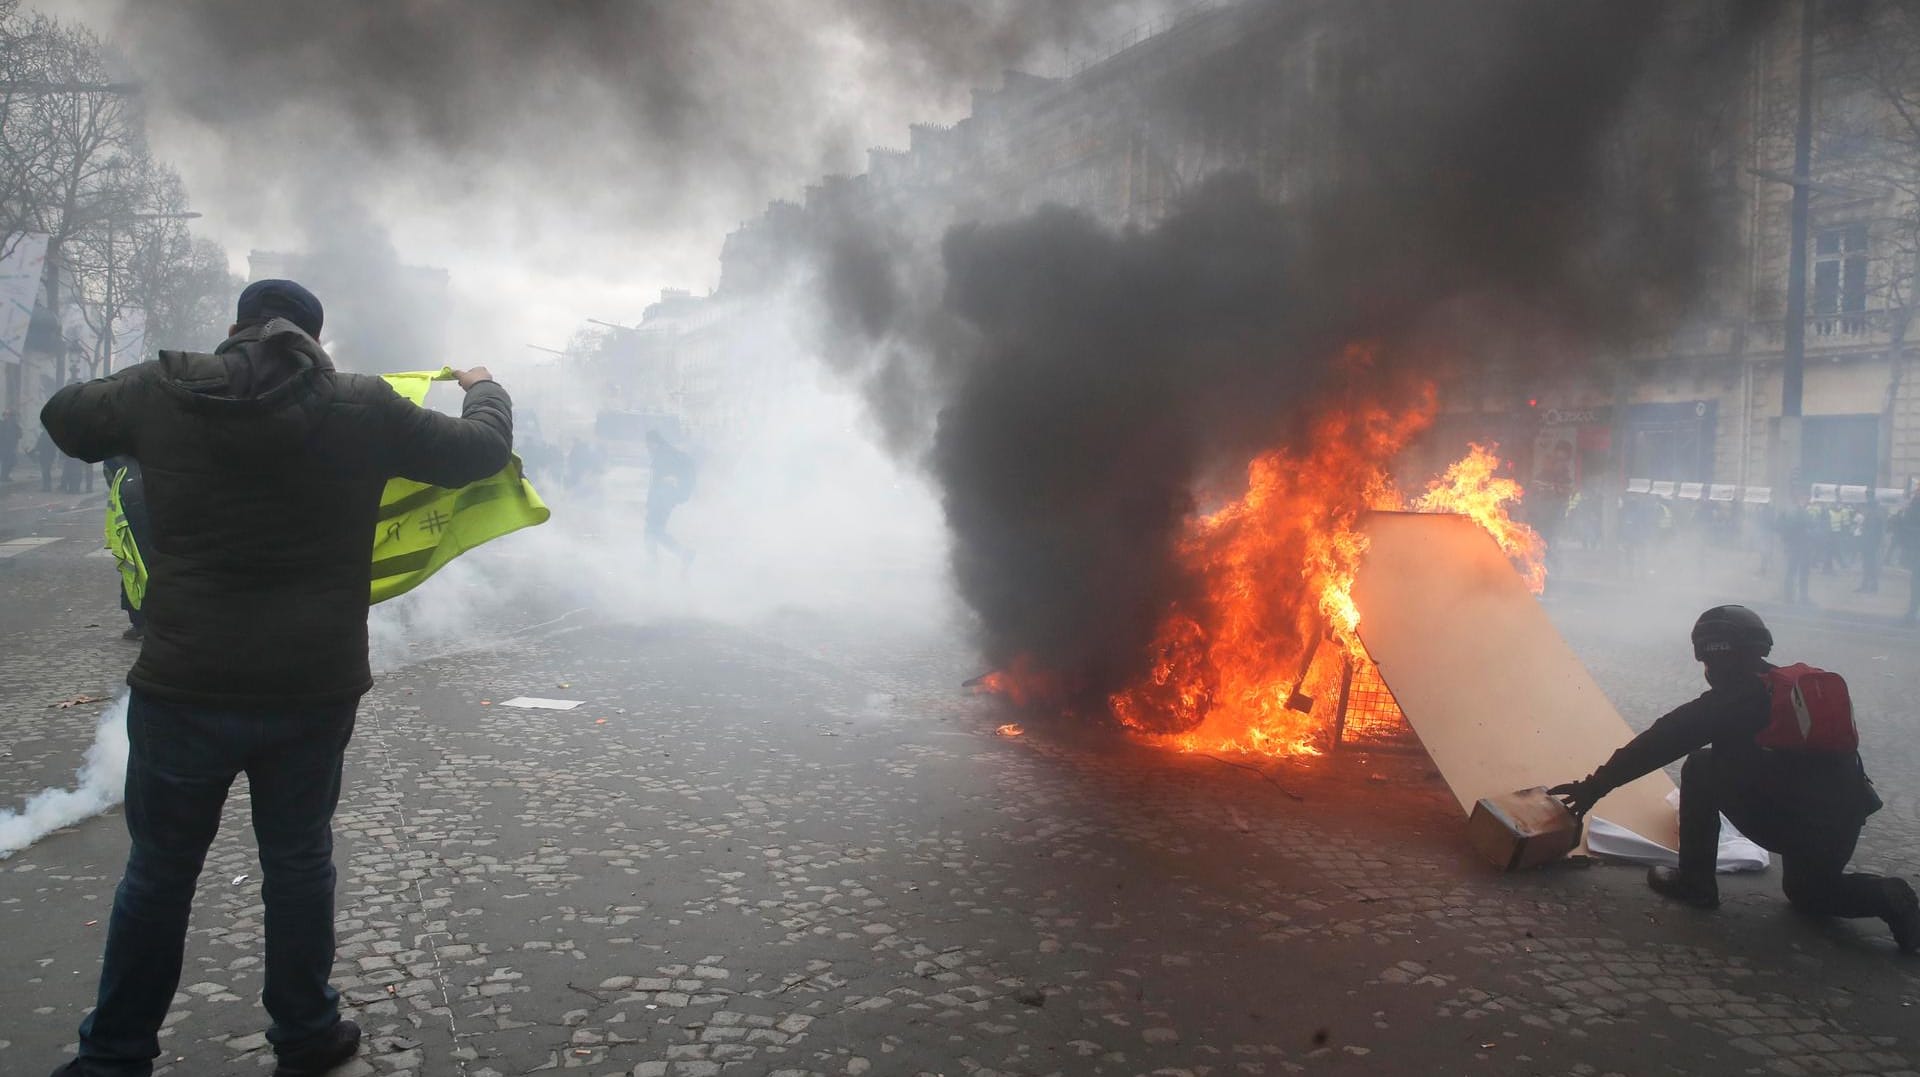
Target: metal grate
1369,716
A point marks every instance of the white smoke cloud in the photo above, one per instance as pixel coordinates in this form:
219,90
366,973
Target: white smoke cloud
99,784
796,510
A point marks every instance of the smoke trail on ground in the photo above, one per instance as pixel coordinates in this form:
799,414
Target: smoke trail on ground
98,785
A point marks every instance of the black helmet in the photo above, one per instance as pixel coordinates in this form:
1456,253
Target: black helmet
1725,630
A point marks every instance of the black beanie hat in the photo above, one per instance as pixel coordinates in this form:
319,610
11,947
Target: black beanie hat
264,299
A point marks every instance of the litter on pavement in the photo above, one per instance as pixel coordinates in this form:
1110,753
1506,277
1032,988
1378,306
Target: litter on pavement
538,703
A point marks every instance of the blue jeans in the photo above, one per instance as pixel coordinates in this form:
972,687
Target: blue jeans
183,757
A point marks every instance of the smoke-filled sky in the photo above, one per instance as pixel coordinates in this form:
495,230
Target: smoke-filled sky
1504,180
561,160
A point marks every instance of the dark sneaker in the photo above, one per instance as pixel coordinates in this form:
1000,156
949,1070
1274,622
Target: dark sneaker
320,1054
71,1069
1905,920
1670,884
135,634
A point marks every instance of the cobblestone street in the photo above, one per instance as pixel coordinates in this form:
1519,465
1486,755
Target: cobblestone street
799,849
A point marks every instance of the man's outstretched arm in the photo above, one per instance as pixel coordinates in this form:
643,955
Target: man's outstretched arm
1693,724
92,420
427,446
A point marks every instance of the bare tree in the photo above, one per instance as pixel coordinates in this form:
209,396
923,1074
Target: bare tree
190,305
141,257
70,142
74,164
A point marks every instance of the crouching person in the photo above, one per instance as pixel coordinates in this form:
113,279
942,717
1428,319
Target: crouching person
1775,750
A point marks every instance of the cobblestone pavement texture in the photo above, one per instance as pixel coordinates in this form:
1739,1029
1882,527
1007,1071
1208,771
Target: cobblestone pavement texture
798,850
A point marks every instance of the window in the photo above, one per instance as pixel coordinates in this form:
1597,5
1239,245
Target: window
1671,440
1840,280
1842,449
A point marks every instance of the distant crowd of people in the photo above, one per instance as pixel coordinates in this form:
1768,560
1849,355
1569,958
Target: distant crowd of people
1647,531
1836,538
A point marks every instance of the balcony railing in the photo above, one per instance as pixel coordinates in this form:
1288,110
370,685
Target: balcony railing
1848,327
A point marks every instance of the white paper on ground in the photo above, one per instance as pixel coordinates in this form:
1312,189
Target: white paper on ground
537,703
1618,843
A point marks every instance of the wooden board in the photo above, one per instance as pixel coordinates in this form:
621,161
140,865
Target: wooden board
1497,697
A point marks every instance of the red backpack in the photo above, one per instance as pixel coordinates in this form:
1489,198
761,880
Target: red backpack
1811,711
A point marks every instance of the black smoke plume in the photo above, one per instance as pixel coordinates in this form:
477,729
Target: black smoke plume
1483,181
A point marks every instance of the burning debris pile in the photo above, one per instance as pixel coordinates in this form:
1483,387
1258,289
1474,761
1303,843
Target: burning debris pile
1244,668
1154,445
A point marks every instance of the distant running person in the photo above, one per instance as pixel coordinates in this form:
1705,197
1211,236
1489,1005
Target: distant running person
670,487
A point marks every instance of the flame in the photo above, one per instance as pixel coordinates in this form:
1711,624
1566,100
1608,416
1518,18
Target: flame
1237,670
1009,729
1471,488
1252,660
1021,683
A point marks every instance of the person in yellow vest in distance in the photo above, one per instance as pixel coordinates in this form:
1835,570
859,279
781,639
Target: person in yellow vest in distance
264,470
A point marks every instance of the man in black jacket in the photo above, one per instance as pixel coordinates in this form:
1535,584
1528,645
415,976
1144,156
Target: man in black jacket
1808,807
263,469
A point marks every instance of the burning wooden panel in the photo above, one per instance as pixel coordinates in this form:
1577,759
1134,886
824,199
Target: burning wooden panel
1498,698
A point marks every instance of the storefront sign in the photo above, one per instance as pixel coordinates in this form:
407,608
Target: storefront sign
1600,416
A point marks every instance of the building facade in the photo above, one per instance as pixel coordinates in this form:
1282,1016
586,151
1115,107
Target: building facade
1253,87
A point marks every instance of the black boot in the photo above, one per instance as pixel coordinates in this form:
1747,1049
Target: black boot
1670,884
1905,918
320,1054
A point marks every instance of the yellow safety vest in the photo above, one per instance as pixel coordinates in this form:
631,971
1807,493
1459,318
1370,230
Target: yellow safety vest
126,554
420,527
423,527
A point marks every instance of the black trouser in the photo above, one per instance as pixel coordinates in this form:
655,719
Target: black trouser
181,759
1813,852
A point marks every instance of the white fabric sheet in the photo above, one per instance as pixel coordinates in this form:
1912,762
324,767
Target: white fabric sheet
1618,843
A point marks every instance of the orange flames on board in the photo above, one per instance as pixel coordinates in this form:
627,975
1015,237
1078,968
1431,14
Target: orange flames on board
1275,569
1470,488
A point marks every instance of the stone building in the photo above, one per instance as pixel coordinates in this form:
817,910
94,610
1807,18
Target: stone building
1703,406
1120,138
